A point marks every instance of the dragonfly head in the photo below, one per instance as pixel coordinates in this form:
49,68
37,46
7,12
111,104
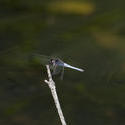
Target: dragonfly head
53,61
56,61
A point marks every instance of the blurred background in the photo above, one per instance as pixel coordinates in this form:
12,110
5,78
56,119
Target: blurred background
89,34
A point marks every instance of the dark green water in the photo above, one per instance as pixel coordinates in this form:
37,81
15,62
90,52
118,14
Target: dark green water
89,34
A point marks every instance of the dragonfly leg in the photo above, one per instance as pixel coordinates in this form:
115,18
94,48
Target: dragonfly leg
62,73
54,70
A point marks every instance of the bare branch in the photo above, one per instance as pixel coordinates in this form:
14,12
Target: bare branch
52,87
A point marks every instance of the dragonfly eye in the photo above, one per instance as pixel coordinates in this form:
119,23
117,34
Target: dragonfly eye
52,61
56,60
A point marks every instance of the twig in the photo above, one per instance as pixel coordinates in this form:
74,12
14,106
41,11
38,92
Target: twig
52,87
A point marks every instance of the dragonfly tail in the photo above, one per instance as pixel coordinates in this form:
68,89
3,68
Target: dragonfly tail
72,67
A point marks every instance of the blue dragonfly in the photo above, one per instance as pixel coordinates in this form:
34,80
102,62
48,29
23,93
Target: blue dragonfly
56,64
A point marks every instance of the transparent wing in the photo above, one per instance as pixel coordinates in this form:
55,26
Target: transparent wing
41,59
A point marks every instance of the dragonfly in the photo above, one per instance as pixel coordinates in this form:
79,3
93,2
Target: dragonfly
56,64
